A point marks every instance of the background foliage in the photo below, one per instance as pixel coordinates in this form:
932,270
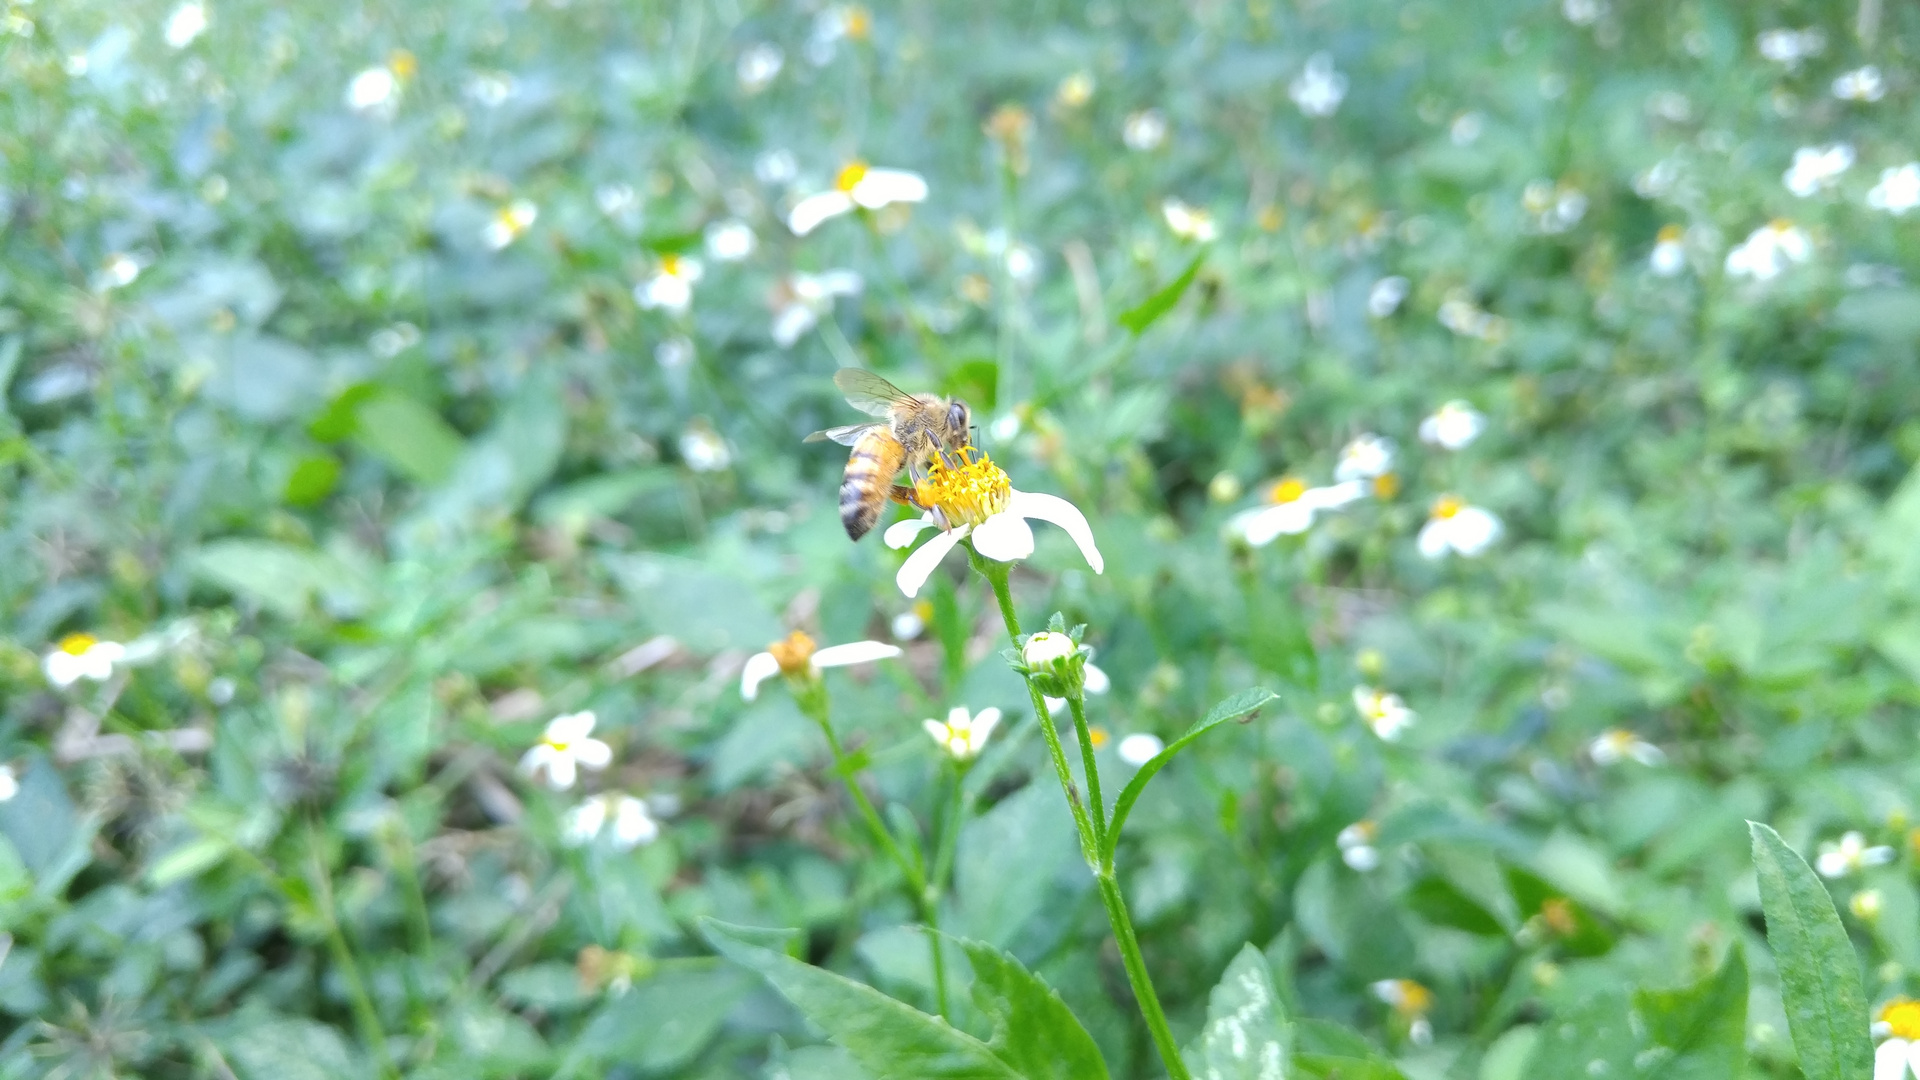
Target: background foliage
378,472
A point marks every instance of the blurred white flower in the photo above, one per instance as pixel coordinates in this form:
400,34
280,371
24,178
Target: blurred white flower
1412,1002
703,449
1452,426
1364,458
1553,208
1455,526
730,241
1075,90
618,201
1860,84
1318,89
1139,748
510,223
856,185
1385,714
1290,508
1866,905
675,353
1582,12
912,622
1789,48
1097,683
1850,856
373,91
1356,846
1022,262
1144,130
633,824
117,272
1657,180
963,735
1770,250
82,656
1461,315
1815,169
758,67
1898,190
671,286
1669,252
1467,128
187,22
1387,295
834,25
1618,745
1188,222
1897,1022
805,298
565,749
490,89
9,783
795,655
775,167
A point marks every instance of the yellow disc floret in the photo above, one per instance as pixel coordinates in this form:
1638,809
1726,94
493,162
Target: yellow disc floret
850,175
77,644
1447,506
1287,491
1902,1017
794,654
966,493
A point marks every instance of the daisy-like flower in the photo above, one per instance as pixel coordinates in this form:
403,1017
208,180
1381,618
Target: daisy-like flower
1385,713
671,287
1096,683
1850,856
1898,1024
1454,526
1669,252
1815,169
730,241
1188,222
803,299
834,25
961,734
758,66
510,223
1139,748
798,658
1365,458
187,22
376,90
1770,250
1452,426
856,186
1898,190
1356,846
1619,744
1144,130
1860,84
82,656
1318,89
1789,47
1290,508
565,749
1411,1002
117,272
975,500
1387,295
912,622
704,449
633,825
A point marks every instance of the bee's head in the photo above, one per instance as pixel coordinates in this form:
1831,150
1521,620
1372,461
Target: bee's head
959,423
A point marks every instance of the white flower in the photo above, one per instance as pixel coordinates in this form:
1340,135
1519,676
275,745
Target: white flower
1582,12
1619,744
187,22
757,67
1386,296
118,272
9,783
1815,169
1669,252
1789,47
675,353
373,90
833,25
1850,856
1366,457
510,223
1769,250
1385,713
1897,1022
856,185
1188,222
1144,130
1860,84
81,656
962,735
618,201
1290,510
1455,526
774,167
1097,683
1139,748
565,749
703,449
977,500
633,824
1898,190
1452,426
1412,1001
1356,846
490,89
730,241
1553,208
671,288
806,298
1461,315
1319,89
912,622
1046,647
797,656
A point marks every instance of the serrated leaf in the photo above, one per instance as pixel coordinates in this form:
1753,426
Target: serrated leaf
1247,1036
1138,319
1245,703
1819,973
1034,1031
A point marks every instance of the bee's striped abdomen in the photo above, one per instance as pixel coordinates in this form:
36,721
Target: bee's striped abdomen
871,468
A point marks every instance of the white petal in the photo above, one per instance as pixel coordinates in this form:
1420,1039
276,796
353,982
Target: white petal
592,753
1054,704
632,825
958,718
919,565
1433,538
790,322
536,759
1004,537
1890,1060
940,732
1913,1057
882,186
809,212
1043,507
62,668
1472,530
902,533
857,652
1267,524
569,728
9,784
1877,856
1831,864
583,822
1097,681
760,667
1361,857
111,651
984,722
1335,497
1139,748
561,772
841,283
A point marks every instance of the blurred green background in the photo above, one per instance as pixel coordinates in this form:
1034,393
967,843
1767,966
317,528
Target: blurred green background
340,387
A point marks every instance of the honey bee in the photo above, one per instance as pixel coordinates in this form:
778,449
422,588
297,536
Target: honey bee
912,430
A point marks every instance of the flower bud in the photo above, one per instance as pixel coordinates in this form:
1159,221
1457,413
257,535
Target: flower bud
1056,664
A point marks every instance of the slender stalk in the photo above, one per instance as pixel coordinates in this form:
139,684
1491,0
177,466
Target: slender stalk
1138,978
365,1016
1096,803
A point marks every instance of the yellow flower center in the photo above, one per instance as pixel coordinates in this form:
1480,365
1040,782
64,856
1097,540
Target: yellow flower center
78,644
1447,506
403,64
859,23
794,655
1386,486
1287,490
1098,736
1365,831
967,494
1902,1015
1780,226
850,175
1415,999
670,265
1670,234
1557,913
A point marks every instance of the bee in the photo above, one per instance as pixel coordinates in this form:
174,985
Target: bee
912,430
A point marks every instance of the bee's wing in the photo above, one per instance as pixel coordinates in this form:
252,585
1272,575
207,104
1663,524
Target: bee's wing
845,436
870,393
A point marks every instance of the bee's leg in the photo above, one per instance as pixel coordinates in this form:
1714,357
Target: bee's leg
905,496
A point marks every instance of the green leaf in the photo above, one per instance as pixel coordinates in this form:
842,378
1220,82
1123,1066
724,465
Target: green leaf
408,436
662,1022
1245,703
1138,319
313,479
1704,1025
1819,973
291,1049
1033,1030
279,577
1247,1036
884,1036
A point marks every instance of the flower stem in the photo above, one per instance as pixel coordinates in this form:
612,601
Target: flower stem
366,1016
1098,805
1138,978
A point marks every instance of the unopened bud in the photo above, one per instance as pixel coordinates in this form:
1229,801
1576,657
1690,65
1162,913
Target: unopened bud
1056,664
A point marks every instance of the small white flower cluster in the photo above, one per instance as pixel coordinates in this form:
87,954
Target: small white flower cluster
807,298
1769,251
856,187
565,748
1319,88
1552,208
1384,713
1817,169
1356,846
510,223
1789,48
1850,856
1861,84
1189,222
1618,745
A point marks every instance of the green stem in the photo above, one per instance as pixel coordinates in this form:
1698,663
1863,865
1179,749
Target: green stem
1138,978
365,1016
1097,804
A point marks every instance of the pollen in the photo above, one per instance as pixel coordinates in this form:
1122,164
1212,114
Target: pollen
1902,1016
1446,507
964,494
1287,491
850,175
77,644
794,654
